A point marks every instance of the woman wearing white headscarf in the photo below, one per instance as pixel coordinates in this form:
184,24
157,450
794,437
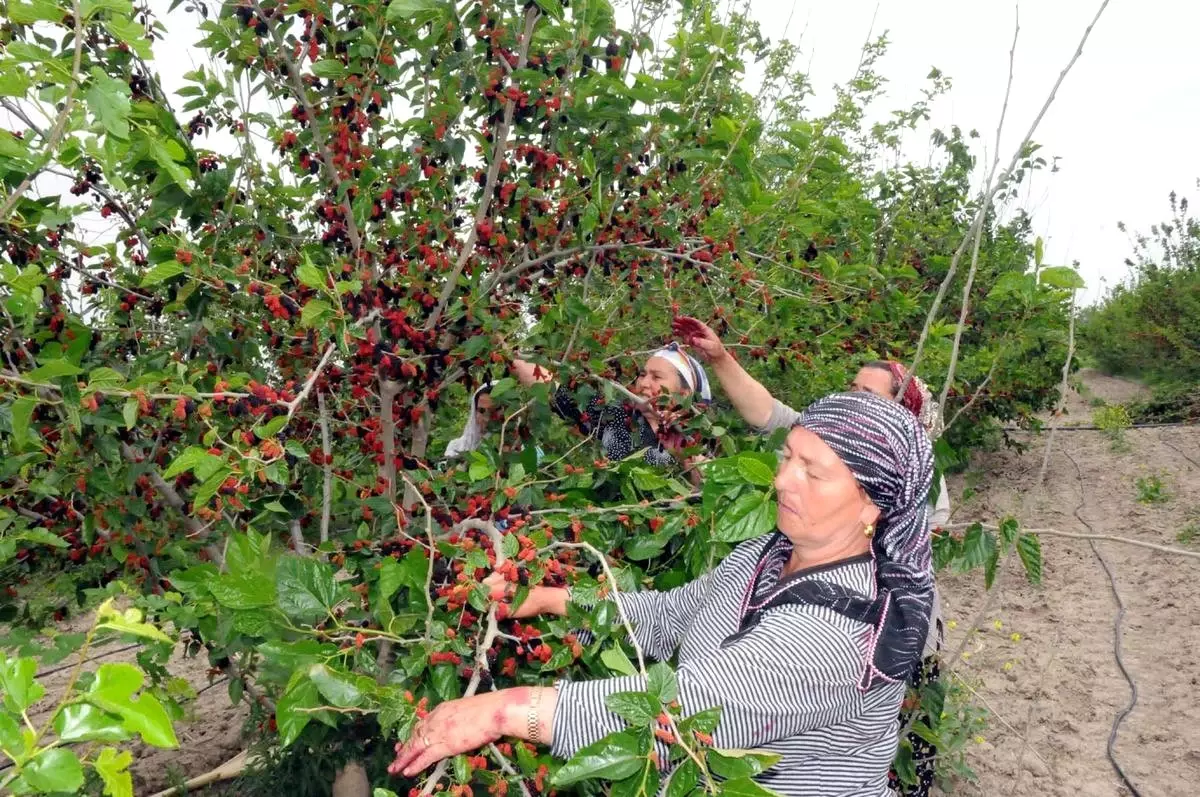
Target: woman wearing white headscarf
623,428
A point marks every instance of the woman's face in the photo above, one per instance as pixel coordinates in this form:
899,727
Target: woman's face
819,499
658,377
873,380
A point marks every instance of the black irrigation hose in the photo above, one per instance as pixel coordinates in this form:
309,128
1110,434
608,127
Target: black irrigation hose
1112,583
1180,451
1094,428
103,655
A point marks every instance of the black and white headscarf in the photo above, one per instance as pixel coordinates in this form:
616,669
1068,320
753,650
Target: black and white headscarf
890,455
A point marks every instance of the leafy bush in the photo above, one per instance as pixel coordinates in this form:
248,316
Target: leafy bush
1149,326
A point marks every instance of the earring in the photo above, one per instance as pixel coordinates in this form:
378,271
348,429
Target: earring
869,530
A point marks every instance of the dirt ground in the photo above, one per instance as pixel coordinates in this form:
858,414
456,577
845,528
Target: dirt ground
1052,710
209,735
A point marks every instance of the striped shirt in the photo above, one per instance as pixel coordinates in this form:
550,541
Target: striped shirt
789,685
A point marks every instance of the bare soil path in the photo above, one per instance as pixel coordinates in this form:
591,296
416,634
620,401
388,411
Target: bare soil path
1062,688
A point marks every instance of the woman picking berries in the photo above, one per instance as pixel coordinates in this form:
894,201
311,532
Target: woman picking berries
884,379
805,638
627,427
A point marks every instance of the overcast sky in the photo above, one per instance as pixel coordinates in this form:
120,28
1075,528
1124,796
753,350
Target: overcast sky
1125,125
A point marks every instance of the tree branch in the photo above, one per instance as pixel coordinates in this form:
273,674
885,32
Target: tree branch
491,630
176,502
979,216
966,295
489,188
60,124
327,486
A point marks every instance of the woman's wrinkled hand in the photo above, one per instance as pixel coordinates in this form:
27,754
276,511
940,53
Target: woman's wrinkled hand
458,726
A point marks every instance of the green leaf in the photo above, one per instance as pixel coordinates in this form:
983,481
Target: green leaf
637,708
130,32
755,471
310,276
128,622
1039,249
243,591
335,687
1063,277
24,13
744,787
615,659
978,546
103,379
193,458
53,370
752,515
704,721
290,716
130,413
22,412
108,99
10,736
271,427
329,69
479,468
662,682
390,579
734,764
17,681
83,722
161,154
113,690
113,769
683,779
418,11
445,681
615,757
306,589
54,770
1029,548
162,272
315,311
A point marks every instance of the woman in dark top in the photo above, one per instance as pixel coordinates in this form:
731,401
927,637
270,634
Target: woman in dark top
625,427
804,637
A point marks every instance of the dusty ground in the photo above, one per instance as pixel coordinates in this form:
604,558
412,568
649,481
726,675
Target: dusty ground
208,736
1053,709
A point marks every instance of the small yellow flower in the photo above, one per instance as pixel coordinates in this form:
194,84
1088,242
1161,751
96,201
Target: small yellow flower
1008,665
952,624
980,740
966,655
997,624
1015,637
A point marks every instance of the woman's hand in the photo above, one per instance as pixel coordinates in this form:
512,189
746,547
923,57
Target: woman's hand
469,723
700,337
528,373
458,726
540,600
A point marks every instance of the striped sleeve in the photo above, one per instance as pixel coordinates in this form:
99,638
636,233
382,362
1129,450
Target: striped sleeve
660,619
795,671
782,417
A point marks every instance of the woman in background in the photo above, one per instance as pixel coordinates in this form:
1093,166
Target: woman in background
623,428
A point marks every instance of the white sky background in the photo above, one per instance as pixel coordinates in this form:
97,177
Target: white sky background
1125,124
